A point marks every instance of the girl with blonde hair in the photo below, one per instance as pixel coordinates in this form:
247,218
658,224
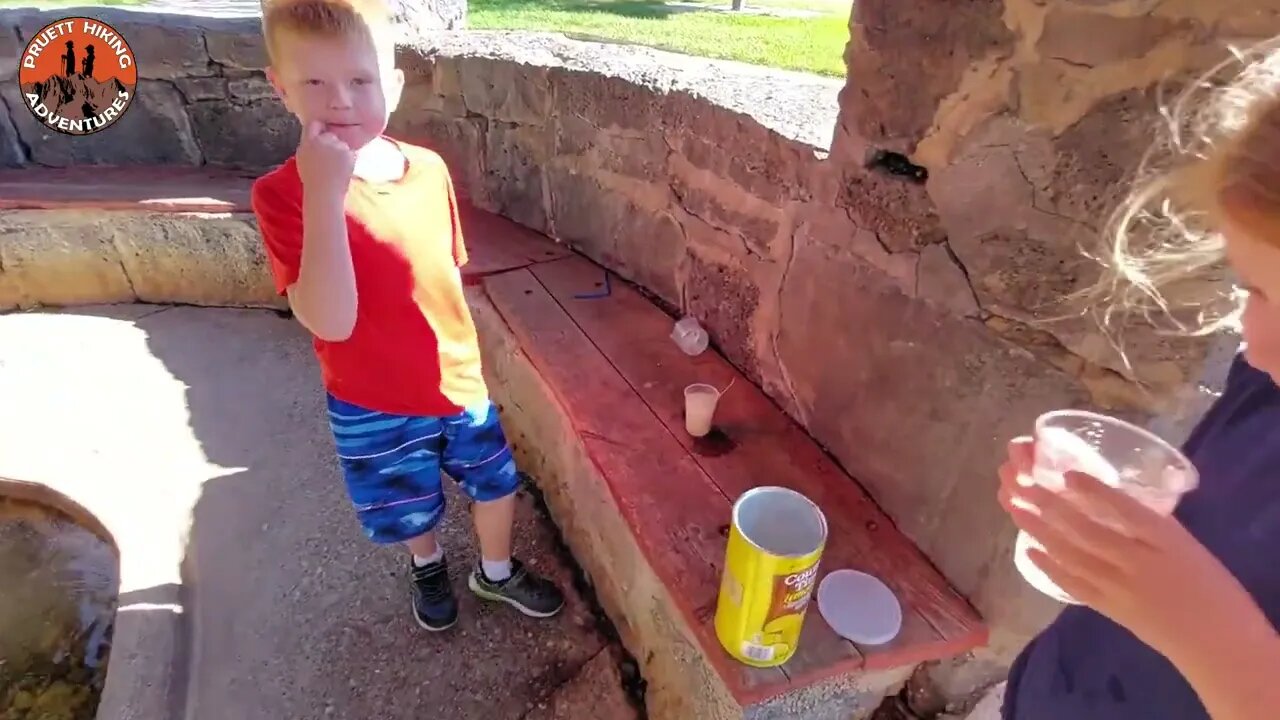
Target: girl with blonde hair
1178,617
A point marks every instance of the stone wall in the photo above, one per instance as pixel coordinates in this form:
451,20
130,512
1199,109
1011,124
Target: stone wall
890,270
201,98
879,255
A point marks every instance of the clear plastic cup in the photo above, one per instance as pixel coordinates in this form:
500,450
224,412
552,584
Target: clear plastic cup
1115,452
690,336
700,402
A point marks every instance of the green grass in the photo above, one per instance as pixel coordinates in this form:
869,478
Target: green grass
810,44
813,43
65,3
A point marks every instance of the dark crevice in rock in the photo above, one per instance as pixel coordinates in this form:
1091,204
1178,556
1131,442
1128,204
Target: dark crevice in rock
633,684
880,241
951,253
895,164
1035,192
1072,63
563,680
195,136
212,67
124,270
789,386
681,197
153,313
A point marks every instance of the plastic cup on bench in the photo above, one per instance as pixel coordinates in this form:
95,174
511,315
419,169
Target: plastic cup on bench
700,402
1115,452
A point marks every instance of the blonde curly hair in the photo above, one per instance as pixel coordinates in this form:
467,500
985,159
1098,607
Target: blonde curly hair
1164,254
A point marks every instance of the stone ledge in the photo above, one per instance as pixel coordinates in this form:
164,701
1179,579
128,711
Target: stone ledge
81,236
144,189
799,106
80,256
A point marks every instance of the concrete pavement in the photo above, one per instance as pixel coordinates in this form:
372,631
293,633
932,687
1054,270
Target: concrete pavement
197,437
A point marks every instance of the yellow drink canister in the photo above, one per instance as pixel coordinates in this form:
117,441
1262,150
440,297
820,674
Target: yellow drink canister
771,567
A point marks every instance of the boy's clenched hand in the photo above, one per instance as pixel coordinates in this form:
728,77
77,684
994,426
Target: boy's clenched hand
324,162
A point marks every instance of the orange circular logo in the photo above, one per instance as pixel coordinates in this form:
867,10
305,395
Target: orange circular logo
77,76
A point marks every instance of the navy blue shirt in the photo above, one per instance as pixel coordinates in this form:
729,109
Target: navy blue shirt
1085,667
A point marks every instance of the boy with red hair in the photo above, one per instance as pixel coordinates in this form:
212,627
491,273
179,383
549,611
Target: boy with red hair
363,237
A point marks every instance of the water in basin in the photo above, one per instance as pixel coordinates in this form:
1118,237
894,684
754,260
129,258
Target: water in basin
58,589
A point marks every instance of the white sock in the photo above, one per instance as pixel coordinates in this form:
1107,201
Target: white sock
434,557
496,570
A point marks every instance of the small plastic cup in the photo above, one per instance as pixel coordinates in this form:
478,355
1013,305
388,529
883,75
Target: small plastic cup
700,408
1117,453
690,336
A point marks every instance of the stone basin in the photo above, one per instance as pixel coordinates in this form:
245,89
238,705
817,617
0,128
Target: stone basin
57,610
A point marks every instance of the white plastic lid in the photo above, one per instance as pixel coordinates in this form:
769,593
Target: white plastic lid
859,607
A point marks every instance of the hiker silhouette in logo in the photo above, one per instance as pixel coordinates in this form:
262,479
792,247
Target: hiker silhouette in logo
69,58
88,61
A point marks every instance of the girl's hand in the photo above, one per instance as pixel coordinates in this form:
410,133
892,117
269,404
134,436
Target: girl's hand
1138,567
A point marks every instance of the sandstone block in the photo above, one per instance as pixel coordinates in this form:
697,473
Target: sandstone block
575,136
514,159
460,141
59,259
606,102
248,89
758,229
899,212
154,130
942,280
421,16
209,261
259,134
12,154
643,245
641,157
904,59
774,170
504,91
1090,39
196,89
242,48
724,297
10,51
166,50
419,96
1094,159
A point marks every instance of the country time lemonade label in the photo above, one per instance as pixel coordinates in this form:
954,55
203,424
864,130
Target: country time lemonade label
77,75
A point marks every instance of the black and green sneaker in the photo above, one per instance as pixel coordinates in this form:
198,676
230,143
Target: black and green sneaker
524,590
434,606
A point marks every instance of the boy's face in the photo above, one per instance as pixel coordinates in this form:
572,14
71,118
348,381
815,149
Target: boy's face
339,82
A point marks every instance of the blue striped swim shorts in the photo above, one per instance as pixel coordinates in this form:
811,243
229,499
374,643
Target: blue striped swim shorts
392,464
